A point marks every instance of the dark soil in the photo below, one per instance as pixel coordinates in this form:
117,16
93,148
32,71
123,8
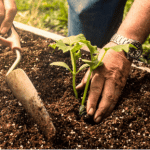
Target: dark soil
127,127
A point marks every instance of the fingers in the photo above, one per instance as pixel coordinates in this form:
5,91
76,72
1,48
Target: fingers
81,85
10,12
5,42
109,99
107,81
112,106
12,41
2,11
97,83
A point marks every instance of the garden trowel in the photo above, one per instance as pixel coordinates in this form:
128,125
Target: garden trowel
23,89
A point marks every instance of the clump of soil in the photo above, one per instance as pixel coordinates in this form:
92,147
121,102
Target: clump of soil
127,127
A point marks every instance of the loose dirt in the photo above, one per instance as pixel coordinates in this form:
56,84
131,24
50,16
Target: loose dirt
127,127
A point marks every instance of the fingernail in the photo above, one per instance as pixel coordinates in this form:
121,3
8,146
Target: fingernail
78,86
91,112
4,30
98,119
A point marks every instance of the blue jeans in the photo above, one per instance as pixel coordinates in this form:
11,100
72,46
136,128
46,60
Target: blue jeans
98,20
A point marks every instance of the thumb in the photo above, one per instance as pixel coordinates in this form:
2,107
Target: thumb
5,42
82,84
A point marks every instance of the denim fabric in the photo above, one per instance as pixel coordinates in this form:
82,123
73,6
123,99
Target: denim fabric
98,20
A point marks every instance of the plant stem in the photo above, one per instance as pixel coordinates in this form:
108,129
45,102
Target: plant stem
74,86
88,80
73,61
100,61
86,87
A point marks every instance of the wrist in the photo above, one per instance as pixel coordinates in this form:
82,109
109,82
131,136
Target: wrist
117,58
133,53
110,44
132,36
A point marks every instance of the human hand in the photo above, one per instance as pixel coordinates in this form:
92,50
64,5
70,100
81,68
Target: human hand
12,41
106,81
8,11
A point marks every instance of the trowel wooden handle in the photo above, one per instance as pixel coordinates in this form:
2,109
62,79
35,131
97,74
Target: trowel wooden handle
23,89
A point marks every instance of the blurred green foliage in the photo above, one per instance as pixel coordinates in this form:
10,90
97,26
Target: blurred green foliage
52,15
127,7
146,46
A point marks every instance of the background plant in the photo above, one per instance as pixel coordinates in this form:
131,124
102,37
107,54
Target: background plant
127,7
52,15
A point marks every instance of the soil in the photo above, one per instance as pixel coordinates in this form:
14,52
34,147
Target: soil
127,127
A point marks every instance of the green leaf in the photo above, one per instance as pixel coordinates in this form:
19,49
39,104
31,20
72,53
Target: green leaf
89,62
62,64
93,49
93,64
95,57
66,43
53,45
83,67
62,46
106,48
76,47
77,55
73,39
119,48
98,64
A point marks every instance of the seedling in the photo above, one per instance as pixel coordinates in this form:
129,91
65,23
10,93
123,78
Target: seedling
94,63
74,44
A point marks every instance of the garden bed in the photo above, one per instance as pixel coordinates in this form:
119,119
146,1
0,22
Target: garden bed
127,127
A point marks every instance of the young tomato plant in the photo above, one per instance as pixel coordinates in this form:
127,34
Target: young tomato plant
73,45
94,63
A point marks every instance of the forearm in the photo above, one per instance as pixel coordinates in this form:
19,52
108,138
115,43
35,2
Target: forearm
136,25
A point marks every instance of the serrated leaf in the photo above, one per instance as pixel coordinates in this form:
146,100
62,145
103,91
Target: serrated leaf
53,45
89,62
93,49
83,67
76,47
73,39
95,57
96,61
77,55
62,46
119,48
61,64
